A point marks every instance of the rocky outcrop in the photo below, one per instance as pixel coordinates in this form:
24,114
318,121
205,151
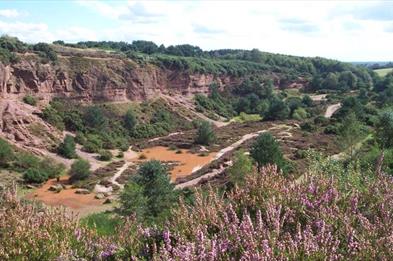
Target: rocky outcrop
20,124
100,79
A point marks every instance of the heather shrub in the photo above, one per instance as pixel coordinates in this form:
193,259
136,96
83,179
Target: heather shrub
31,100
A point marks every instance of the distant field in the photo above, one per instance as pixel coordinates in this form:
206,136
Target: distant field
383,72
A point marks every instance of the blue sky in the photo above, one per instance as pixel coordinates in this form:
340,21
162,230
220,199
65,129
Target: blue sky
345,30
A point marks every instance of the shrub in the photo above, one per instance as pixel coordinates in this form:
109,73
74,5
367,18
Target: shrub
35,176
105,155
205,134
150,194
300,114
80,170
242,166
266,150
6,152
31,100
67,147
80,138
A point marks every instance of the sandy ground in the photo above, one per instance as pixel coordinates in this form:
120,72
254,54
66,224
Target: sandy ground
188,162
332,109
81,204
231,147
318,97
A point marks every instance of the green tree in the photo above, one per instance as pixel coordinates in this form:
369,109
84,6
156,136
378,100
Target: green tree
350,134
266,150
129,121
242,166
67,147
205,134
384,133
330,82
150,192
278,110
307,101
95,118
6,152
133,200
80,170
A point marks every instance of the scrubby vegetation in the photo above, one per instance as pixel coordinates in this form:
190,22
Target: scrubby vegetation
32,168
269,217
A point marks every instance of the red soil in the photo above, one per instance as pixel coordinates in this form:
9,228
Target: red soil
188,161
67,197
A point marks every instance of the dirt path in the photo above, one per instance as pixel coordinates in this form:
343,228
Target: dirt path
332,109
318,97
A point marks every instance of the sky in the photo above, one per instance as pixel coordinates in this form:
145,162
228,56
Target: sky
343,30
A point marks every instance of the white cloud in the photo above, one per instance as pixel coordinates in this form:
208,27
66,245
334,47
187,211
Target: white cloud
9,13
341,30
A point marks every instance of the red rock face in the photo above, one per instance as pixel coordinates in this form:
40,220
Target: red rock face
105,79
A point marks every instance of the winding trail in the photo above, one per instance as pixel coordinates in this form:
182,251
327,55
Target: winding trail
332,109
223,151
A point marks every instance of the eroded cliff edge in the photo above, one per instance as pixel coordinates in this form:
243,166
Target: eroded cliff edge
106,79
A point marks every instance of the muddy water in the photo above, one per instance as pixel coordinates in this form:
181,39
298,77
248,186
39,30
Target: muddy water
67,197
187,161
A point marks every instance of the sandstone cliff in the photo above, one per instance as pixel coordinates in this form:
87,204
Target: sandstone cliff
99,79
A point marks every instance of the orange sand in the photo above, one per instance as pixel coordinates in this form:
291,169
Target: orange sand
67,197
188,161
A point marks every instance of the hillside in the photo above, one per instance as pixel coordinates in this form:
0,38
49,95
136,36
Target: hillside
134,151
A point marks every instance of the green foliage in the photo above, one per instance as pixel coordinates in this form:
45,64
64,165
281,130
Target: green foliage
350,134
105,224
385,130
278,110
80,170
6,153
52,116
129,121
67,147
149,194
307,101
30,100
45,51
300,114
80,138
105,155
205,134
35,176
95,118
266,150
242,166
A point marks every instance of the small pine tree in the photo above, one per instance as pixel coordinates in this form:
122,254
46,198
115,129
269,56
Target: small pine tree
67,147
205,134
266,150
80,170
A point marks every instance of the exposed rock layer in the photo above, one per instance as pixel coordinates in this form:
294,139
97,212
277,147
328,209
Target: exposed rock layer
100,79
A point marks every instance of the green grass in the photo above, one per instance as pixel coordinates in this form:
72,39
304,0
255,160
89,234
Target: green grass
244,117
105,223
383,72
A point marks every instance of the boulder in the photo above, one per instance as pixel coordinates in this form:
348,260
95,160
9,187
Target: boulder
56,188
99,196
82,191
108,201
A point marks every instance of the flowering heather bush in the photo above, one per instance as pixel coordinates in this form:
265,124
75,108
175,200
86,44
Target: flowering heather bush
328,214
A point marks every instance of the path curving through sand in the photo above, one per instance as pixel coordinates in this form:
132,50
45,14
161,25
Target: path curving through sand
332,109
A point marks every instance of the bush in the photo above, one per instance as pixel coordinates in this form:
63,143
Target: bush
35,176
105,155
6,152
31,100
67,147
80,138
300,114
266,150
80,170
205,134
150,194
242,166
